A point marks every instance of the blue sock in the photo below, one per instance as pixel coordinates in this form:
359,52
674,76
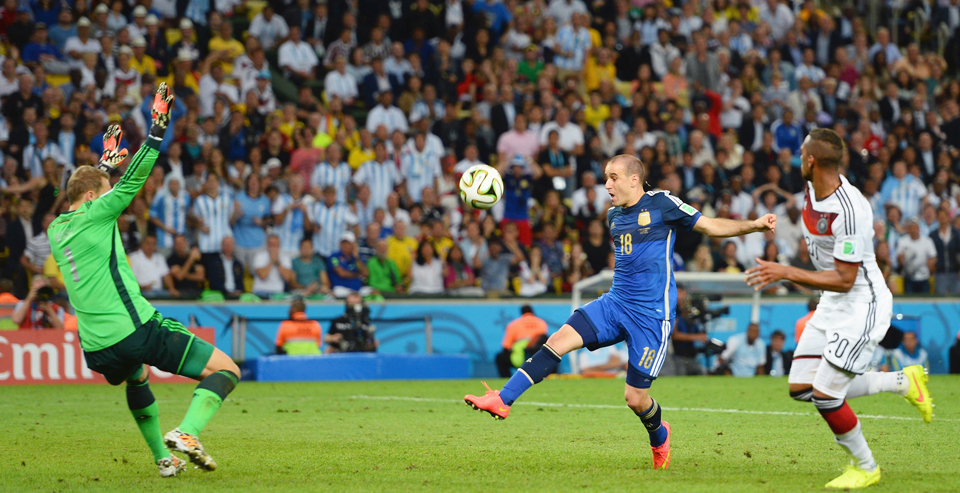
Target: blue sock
534,370
651,421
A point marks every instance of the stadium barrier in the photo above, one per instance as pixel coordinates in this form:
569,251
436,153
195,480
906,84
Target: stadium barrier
475,327
359,366
54,357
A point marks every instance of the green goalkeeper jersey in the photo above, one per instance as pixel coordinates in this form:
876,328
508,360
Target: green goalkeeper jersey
87,247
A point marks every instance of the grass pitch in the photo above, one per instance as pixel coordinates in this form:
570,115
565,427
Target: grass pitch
564,435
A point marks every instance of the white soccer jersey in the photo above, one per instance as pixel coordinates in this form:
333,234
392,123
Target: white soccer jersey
846,327
841,227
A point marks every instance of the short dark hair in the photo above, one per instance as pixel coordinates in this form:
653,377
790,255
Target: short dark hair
826,146
812,303
525,309
632,164
778,333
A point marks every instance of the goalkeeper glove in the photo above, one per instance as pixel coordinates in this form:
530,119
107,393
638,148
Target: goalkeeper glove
113,155
162,103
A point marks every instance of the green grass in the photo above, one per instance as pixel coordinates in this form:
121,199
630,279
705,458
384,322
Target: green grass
327,437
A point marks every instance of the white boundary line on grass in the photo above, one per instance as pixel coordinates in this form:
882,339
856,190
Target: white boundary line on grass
608,406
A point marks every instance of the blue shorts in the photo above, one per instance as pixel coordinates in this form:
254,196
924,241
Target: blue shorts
606,321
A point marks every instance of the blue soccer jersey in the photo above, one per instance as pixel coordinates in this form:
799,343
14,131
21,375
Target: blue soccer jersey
643,238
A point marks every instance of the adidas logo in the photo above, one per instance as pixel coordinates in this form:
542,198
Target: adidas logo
529,360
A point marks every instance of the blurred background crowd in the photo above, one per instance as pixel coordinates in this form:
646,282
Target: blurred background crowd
316,145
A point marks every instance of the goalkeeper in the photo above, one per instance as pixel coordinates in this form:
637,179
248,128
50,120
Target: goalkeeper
120,332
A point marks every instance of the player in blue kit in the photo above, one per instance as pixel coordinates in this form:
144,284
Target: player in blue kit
641,304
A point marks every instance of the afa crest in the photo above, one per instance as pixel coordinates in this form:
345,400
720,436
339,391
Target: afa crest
643,218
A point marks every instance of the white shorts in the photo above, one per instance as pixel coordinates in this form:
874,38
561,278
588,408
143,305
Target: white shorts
845,333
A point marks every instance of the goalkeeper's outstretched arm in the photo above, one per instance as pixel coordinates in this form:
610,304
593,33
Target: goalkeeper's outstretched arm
116,201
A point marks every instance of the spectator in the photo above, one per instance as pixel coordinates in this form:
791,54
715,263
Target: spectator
909,353
339,83
787,134
778,361
186,271
168,213
524,336
426,273
211,214
346,271
310,271
534,276
151,270
36,310
38,248
299,335
250,217
269,28
384,275
946,239
571,135
352,331
459,279
330,221
917,256
298,59
419,167
401,248
272,269
387,115
745,354
518,141
224,270
332,172
496,269
517,191
291,216
902,190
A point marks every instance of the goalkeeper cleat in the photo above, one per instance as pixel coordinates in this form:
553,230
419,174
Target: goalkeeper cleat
853,477
918,395
178,441
113,154
661,454
162,103
489,402
171,466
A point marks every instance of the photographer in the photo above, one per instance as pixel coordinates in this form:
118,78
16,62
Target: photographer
689,334
352,332
686,332
36,311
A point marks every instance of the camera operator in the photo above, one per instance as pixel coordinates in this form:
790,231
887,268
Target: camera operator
36,311
352,332
686,331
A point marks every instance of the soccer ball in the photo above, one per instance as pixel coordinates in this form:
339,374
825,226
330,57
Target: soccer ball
481,186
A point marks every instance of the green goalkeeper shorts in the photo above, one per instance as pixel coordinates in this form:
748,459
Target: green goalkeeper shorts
162,343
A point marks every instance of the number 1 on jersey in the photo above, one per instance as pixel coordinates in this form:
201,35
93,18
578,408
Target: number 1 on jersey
626,244
73,265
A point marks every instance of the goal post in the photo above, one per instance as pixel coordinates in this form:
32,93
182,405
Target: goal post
700,282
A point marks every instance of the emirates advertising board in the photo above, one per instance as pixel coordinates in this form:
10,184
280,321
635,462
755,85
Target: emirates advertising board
32,357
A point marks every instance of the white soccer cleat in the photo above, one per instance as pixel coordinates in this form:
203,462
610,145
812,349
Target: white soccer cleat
186,443
171,466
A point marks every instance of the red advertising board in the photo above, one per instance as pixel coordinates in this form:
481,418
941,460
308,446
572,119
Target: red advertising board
30,357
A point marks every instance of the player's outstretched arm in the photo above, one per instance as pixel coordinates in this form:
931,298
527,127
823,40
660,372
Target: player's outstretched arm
725,228
142,163
839,280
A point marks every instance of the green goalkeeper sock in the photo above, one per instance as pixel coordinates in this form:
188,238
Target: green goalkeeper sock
147,415
207,400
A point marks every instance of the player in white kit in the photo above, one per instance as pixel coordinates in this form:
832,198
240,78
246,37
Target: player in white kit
854,313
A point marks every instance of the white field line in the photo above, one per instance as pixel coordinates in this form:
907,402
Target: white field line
608,406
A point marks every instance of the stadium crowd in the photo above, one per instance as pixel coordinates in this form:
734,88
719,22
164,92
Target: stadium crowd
316,145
